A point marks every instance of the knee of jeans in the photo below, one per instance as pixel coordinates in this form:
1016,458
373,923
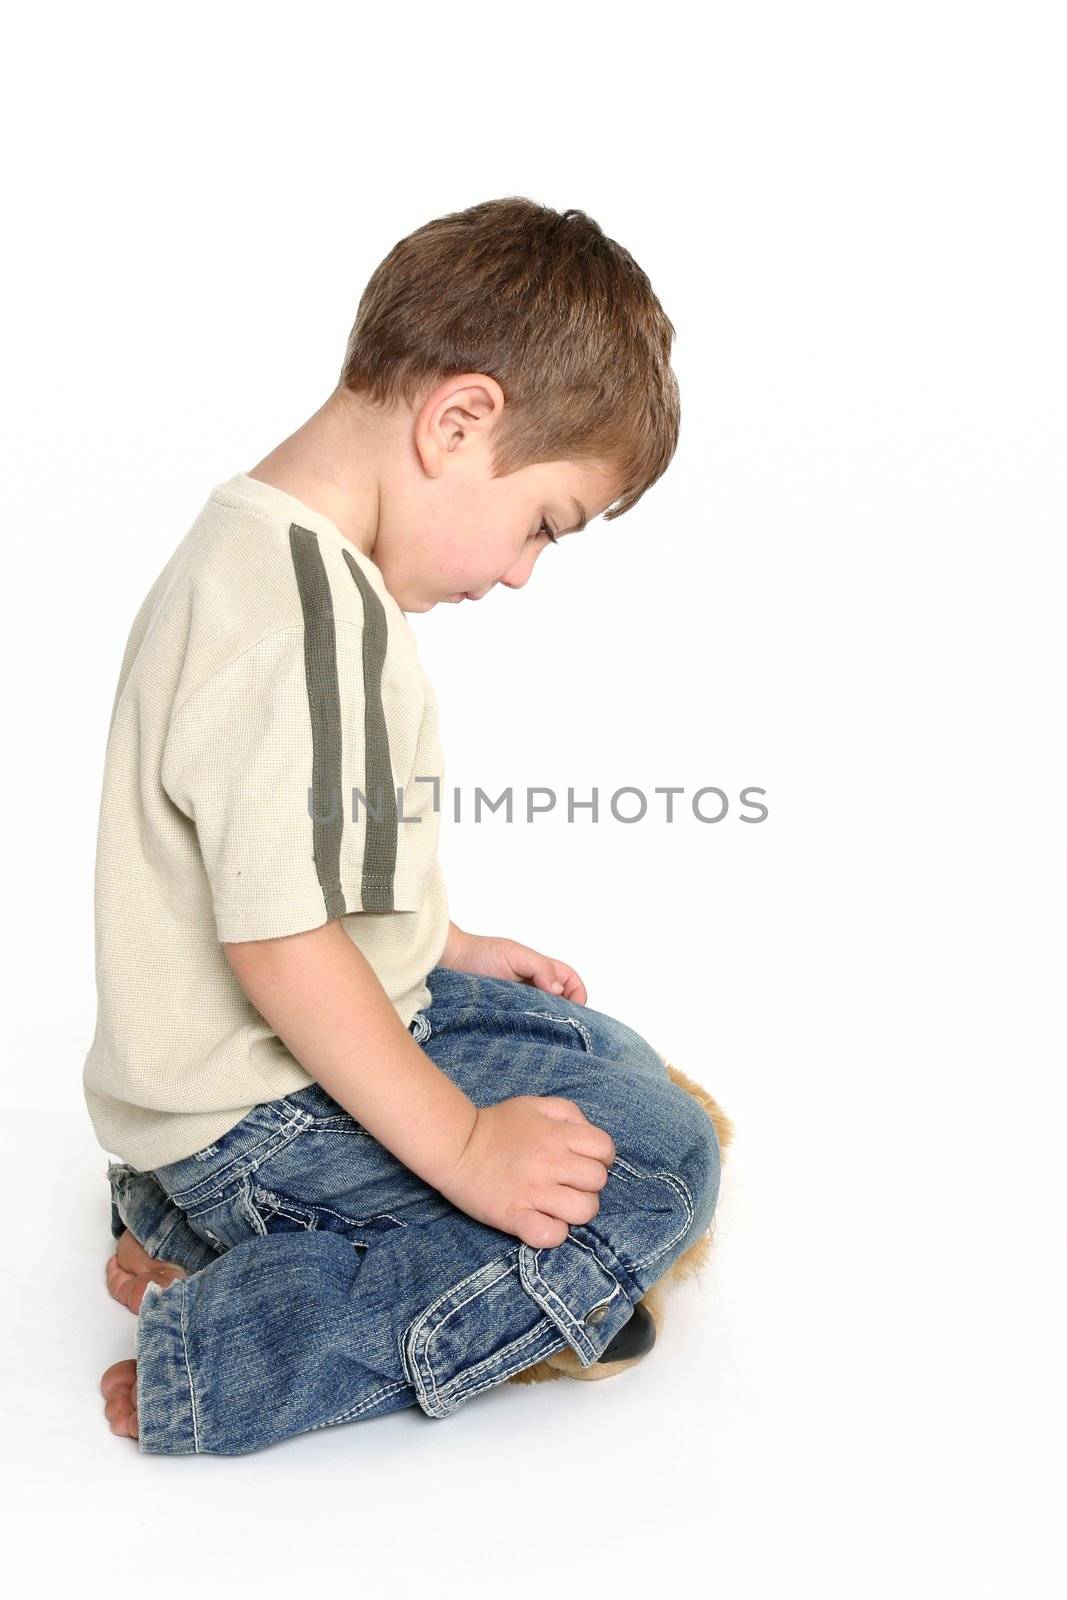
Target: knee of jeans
690,1149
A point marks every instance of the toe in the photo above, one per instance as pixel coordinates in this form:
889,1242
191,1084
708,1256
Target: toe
119,1388
132,1257
131,1253
118,1282
164,1276
120,1375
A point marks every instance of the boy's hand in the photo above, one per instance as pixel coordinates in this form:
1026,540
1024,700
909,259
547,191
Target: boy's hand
492,957
531,1166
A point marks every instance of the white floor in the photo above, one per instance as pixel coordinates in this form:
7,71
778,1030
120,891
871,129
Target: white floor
833,1412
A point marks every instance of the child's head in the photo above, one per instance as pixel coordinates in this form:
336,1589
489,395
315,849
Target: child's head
511,360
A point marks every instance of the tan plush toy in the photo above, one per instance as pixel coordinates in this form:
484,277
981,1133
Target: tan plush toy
564,1363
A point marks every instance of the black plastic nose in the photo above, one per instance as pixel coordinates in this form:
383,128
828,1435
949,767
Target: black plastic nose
634,1338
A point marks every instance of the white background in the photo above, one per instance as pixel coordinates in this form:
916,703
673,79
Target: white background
847,589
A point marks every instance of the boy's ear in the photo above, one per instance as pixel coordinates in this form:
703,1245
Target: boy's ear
457,411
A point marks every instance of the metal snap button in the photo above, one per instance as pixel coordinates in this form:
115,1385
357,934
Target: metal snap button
597,1314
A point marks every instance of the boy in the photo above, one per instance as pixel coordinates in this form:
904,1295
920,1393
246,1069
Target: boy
368,1146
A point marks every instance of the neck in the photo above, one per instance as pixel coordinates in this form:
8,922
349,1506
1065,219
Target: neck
334,463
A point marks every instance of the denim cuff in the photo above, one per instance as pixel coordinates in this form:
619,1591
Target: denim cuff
166,1404
511,1313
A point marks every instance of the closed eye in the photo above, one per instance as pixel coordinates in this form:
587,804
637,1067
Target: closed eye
544,528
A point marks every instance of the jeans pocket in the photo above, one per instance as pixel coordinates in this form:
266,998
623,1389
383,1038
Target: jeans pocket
481,1330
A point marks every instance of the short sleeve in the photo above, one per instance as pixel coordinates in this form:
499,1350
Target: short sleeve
263,759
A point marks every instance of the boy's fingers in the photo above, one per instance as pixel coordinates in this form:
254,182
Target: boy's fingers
571,1205
561,1109
596,1143
586,1173
591,1139
539,1231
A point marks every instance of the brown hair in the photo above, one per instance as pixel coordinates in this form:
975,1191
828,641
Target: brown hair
544,302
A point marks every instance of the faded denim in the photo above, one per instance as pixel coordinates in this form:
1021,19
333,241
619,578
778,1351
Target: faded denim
328,1283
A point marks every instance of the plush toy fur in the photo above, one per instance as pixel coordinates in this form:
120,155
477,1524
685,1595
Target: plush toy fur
564,1363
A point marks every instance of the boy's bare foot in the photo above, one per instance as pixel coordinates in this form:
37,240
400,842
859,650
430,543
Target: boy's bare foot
131,1269
119,1388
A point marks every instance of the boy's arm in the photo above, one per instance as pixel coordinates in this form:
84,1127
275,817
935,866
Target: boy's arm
325,1001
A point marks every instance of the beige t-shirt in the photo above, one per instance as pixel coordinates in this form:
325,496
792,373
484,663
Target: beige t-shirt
273,763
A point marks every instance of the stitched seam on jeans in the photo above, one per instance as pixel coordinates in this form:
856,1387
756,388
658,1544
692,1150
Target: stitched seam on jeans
361,1222
672,1180
335,1123
564,1308
488,1361
347,1416
189,1375
200,1194
567,1022
161,1243
279,1203
209,1189
244,1205
413,1332
558,1343
266,1200
474,1294
446,1007
493,1362
551,1295
583,1030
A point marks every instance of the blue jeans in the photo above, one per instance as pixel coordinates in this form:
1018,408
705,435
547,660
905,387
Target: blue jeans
328,1283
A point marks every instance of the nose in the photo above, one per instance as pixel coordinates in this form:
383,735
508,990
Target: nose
519,574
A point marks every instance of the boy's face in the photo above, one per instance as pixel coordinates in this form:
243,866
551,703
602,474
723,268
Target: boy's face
450,531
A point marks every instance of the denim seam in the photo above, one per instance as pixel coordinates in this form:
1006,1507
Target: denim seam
482,1289
159,1245
445,1008
672,1180
340,1122
566,1315
347,1416
410,1336
567,1022
244,1204
153,1246
189,1375
314,1207
559,1343
281,1206
470,1378
556,1341
548,1339
210,1188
